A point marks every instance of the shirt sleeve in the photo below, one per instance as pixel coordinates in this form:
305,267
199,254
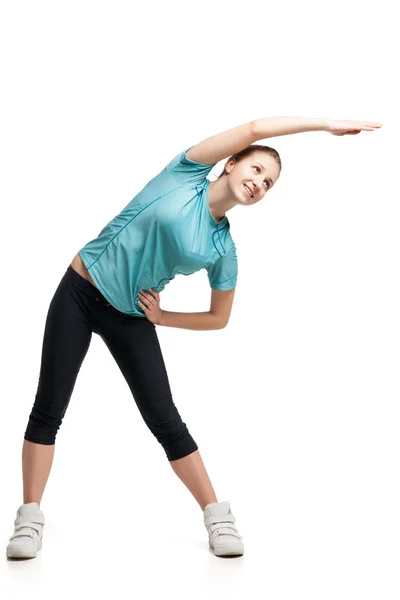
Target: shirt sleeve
188,171
222,275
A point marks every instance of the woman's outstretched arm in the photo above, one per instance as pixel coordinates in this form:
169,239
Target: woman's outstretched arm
220,146
276,126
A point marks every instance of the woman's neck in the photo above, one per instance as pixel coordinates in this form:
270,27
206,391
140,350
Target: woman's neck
219,199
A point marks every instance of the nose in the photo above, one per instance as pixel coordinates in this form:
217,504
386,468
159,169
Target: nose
256,187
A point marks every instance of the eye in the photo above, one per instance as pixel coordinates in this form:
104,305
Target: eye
265,181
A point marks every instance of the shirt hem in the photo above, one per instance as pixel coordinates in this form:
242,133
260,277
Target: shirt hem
102,290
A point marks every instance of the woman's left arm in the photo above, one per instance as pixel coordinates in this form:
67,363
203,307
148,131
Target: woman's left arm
276,126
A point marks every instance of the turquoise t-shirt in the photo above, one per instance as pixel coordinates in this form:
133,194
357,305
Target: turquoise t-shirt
165,230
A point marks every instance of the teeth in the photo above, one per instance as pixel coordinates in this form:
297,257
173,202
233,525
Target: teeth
248,190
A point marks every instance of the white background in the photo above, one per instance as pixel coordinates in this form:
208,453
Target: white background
295,405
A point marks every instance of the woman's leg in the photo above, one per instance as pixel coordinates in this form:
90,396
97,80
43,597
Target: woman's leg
66,341
36,465
134,344
191,470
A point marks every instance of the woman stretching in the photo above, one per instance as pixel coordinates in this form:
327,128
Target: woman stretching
176,224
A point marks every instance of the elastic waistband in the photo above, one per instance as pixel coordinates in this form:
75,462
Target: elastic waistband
83,284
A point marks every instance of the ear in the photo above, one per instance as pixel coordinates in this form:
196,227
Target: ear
229,165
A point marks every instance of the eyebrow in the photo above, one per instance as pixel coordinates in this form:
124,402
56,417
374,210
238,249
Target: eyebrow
269,178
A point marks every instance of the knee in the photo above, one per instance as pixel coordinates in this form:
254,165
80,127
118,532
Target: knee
42,427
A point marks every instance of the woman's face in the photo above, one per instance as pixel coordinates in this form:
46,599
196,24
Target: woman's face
258,172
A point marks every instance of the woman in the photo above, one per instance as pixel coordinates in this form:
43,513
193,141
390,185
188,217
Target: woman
177,224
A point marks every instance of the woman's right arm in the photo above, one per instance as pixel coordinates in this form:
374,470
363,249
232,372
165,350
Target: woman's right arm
224,144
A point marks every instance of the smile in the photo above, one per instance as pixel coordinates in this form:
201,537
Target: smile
247,190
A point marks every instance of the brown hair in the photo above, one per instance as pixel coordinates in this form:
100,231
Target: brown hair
249,150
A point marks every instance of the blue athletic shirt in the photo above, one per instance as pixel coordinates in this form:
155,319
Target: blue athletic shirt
165,230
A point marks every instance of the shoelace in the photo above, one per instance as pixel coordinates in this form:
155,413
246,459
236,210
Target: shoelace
26,525
222,525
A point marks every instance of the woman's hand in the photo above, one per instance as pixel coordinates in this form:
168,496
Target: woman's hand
351,127
150,303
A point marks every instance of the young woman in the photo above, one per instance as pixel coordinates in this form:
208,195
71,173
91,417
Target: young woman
176,224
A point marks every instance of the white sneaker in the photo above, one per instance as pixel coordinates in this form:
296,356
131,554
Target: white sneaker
223,536
26,540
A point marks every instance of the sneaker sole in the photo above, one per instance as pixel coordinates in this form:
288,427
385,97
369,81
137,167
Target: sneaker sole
21,552
226,552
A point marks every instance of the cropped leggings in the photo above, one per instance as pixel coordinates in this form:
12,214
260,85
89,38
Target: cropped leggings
77,310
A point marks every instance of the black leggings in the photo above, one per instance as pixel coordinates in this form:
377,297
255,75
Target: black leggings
78,309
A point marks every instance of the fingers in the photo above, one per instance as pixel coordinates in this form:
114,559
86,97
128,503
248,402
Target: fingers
154,294
362,125
143,306
370,125
146,298
151,299
150,304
